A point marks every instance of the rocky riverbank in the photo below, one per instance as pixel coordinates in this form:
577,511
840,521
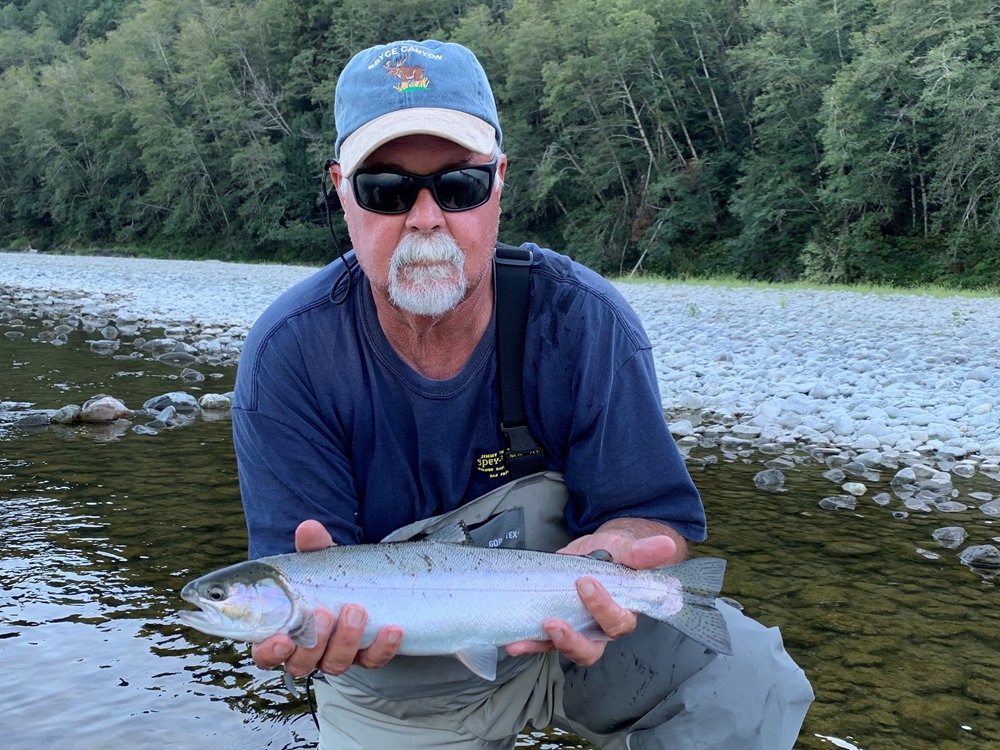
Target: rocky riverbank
908,383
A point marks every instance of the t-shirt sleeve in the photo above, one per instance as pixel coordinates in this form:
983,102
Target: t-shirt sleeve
292,459
624,461
596,405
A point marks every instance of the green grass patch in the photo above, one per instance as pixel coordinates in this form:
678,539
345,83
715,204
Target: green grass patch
734,282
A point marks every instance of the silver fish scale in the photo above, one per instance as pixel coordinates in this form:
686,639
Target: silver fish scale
447,596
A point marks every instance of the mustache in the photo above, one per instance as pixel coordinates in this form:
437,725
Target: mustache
430,247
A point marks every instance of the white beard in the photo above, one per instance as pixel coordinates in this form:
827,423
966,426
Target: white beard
427,274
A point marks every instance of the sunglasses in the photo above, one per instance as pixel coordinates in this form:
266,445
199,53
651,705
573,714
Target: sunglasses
454,189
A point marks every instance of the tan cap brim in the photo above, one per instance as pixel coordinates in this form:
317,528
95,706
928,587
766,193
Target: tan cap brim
464,129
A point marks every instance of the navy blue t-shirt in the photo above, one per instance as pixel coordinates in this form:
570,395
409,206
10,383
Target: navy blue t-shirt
331,424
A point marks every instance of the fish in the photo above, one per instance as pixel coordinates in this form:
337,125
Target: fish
449,599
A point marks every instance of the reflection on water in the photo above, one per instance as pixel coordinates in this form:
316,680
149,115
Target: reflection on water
99,532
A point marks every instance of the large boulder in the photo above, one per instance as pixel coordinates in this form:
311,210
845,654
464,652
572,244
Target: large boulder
104,408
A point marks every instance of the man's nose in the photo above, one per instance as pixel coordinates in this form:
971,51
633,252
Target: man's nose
425,213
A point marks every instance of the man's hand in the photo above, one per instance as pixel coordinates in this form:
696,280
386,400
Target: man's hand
637,543
337,639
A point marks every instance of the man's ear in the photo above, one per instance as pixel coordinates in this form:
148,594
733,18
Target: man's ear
336,175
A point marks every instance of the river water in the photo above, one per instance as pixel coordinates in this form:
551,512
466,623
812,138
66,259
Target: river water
100,527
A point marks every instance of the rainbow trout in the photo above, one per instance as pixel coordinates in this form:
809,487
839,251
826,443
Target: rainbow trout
448,598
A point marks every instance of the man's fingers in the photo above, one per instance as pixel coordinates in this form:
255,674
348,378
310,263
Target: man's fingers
272,652
304,660
613,619
639,554
522,648
577,648
311,536
383,648
343,647
650,552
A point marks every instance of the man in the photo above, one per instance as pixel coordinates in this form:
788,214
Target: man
367,401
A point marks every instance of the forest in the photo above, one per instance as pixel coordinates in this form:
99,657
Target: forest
847,141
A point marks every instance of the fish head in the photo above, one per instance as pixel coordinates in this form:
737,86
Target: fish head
246,602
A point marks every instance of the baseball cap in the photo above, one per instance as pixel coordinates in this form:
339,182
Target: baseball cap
409,88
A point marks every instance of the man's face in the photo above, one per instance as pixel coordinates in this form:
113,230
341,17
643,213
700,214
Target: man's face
427,260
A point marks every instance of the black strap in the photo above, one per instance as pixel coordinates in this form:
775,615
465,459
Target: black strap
511,266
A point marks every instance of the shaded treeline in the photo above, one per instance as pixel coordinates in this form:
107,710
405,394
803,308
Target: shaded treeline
832,140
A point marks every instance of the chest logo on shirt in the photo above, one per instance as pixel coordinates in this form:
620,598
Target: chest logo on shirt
492,464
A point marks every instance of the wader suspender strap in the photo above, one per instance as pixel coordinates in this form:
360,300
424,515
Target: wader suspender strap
511,266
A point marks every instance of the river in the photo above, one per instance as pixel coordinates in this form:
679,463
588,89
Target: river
101,527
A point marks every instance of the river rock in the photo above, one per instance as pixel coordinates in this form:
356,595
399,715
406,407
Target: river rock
69,414
939,483
835,475
167,418
682,428
127,319
951,506
180,400
189,375
981,556
162,345
949,536
839,502
769,479
181,359
919,502
991,449
991,508
104,346
964,469
215,402
35,419
905,477
104,408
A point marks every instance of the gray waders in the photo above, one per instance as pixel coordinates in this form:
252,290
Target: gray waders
655,688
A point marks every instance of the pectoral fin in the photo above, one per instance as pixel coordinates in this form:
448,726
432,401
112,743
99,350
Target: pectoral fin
290,684
304,634
482,660
594,632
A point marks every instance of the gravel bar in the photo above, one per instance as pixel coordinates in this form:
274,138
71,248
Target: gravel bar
870,374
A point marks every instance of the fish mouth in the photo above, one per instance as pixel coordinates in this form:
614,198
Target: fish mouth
200,620
208,618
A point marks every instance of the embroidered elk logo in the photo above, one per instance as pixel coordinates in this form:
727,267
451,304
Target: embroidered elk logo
410,76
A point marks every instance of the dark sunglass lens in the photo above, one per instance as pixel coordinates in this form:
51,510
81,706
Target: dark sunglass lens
460,189
385,192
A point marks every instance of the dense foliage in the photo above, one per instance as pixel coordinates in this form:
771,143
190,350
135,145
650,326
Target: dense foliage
831,140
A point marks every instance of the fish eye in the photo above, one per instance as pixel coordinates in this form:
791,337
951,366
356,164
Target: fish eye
216,592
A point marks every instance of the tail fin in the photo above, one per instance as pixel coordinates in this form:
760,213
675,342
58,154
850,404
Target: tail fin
699,618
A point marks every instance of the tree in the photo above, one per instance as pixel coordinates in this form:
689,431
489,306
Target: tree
623,114
784,69
906,180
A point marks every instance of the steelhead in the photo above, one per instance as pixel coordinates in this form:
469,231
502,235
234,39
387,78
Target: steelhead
448,598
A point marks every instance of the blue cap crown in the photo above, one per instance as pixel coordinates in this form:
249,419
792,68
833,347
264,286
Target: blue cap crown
409,87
